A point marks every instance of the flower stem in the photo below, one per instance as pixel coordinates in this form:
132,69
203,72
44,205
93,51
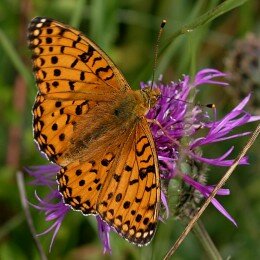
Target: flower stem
206,241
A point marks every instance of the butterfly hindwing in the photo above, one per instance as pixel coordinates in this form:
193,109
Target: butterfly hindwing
131,191
80,182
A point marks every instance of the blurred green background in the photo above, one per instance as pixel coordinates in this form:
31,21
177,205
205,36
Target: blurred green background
127,31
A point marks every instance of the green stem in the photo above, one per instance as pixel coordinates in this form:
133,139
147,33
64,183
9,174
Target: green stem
204,19
207,243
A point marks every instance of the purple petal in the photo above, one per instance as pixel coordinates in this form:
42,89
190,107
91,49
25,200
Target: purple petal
221,209
243,103
206,76
254,119
219,130
220,161
103,232
229,137
206,191
165,204
54,211
44,175
221,191
56,230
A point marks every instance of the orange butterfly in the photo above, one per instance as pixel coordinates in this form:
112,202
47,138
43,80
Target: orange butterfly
90,122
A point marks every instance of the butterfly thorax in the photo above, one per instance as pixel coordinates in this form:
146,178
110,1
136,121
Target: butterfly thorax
147,99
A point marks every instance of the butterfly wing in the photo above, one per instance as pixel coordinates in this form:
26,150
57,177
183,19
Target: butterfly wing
73,75
129,200
121,185
77,81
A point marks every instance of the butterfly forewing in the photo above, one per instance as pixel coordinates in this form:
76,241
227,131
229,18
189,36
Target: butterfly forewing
89,121
64,58
67,66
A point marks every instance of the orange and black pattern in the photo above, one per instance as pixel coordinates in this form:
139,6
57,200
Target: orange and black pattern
89,121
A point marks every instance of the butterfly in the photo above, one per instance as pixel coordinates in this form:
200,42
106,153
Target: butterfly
88,120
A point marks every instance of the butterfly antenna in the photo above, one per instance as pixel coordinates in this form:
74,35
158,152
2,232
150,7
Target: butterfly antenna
156,48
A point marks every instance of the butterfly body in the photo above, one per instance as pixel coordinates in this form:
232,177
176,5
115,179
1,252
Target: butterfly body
90,122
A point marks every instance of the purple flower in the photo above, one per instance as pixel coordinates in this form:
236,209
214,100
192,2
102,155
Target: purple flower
177,125
53,212
206,190
103,231
53,206
176,131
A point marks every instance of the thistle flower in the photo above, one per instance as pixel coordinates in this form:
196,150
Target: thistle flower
53,206
176,128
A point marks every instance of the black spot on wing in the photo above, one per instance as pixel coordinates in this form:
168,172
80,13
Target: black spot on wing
74,43
144,171
147,160
74,63
141,152
85,56
100,70
148,189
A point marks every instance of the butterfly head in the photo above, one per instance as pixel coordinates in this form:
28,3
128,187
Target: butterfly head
151,96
